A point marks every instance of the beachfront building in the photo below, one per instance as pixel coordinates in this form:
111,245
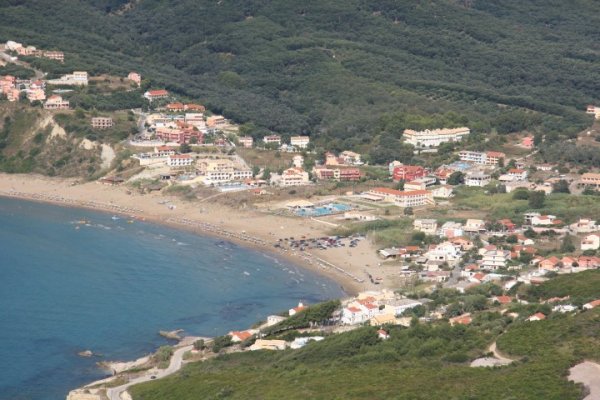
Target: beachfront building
56,102
77,78
272,139
433,138
102,122
300,142
490,158
413,198
220,171
290,177
246,141
180,160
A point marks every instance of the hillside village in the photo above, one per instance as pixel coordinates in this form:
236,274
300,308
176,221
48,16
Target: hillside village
470,224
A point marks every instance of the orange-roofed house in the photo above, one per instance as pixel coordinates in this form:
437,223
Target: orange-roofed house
464,319
537,317
382,334
175,107
297,309
194,107
591,304
237,337
156,94
549,264
502,299
527,142
135,78
408,173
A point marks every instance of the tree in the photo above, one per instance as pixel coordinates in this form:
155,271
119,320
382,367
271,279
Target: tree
266,174
537,199
408,211
185,148
512,239
400,185
567,245
199,344
255,170
562,186
521,194
456,178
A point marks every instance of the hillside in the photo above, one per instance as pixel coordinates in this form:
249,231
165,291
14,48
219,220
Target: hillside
345,71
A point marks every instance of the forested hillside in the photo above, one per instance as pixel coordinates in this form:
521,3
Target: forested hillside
355,72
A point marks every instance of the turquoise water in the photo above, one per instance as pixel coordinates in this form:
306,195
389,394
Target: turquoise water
111,286
328,209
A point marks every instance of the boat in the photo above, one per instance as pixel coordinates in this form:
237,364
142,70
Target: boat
115,218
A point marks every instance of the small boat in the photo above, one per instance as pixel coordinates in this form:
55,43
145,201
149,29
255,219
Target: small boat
115,218
130,221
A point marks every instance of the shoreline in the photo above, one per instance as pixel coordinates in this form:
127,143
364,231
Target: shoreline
201,218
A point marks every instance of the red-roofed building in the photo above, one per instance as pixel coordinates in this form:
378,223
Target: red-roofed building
591,304
537,317
237,337
156,94
502,299
383,335
296,310
527,142
175,107
464,319
518,174
549,264
408,173
180,160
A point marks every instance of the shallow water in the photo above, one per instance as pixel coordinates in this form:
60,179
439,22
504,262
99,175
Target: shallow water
109,286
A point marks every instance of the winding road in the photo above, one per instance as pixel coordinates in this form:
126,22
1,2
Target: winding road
174,366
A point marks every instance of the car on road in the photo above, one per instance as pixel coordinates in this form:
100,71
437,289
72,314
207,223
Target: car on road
153,377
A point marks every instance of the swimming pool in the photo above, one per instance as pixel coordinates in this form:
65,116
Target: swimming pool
327,209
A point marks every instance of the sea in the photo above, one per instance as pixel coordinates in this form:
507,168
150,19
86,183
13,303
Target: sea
74,280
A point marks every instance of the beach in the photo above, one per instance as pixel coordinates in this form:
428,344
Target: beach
247,227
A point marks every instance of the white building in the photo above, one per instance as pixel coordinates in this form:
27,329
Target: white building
413,198
300,142
451,229
272,139
180,160
298,161
291,177
495,259
433,138
428,226
591,242
77,78
491,158
246,141
477,179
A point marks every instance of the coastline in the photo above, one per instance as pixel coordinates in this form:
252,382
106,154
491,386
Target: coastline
248,228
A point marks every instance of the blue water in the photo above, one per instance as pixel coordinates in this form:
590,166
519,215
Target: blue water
111,286
328,209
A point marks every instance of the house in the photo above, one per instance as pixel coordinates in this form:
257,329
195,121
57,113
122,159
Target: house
12,94
464,319
502,299
238,337
56,102
246,141
564,308
477,178
174,107
383,319
594,111
164,151
152,95
272,139
36,95
135,78
549,264
300,142
428,226
584,225
464,244
290,177
350,158
298,161
300,342
263,344
194,107
443,192
353,315
297,309
102,122
337,174
442,174
528,142
408,173
591,242
180,160
185,135
517,174
543,220
218,120
591,304
495,259
474,226
507,225
414,198
383,335
537,317
433,138
451,229
77,78
445,252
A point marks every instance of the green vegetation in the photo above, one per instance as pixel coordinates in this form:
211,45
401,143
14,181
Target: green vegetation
316,314
353,81
582,287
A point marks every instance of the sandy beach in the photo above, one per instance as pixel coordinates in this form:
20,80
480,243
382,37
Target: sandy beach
251,228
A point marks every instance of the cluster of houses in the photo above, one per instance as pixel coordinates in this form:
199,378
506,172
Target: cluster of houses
23,50
378,308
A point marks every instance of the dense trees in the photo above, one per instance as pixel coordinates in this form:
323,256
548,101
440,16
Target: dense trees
353,81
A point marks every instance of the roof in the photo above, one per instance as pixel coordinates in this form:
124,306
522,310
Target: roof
243,335
180,156
160,92
353,309
538,315
594,303
394,192
504,299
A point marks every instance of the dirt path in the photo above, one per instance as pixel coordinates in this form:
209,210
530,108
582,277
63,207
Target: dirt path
587,373
496,361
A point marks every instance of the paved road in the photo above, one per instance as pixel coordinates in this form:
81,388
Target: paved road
174,366
38,74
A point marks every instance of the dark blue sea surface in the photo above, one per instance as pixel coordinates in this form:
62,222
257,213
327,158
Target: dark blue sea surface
109,285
